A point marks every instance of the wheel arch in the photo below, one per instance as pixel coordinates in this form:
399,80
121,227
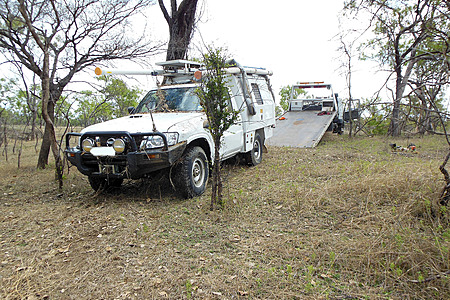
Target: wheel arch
261,134
202,143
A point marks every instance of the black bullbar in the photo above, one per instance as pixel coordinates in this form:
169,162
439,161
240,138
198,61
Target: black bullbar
133,163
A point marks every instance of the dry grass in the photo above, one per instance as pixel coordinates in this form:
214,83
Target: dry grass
347,220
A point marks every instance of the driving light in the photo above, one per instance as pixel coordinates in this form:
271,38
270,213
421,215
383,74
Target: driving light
87,145
119,145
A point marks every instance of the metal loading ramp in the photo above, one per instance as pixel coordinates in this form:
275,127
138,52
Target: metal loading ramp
301,129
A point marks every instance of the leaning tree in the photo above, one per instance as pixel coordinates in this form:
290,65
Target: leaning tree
55,40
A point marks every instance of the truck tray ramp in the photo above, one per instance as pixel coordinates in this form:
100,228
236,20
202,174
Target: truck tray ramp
301,129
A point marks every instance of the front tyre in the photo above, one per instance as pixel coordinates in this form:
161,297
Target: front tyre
191,174
254,157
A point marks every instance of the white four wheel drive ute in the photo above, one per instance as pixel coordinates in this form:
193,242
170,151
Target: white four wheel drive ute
168,130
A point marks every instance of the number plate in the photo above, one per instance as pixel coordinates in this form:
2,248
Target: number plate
103,151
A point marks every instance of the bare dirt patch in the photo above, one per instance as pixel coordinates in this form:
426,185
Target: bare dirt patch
349,219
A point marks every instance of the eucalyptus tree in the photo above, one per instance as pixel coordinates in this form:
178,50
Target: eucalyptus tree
91,108
431,72
399,27
112,100
57,39
428,83
117,93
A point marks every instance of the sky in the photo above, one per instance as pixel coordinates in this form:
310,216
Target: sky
295,39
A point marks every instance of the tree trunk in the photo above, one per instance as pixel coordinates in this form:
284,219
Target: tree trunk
181,24
33,107
423,113
216,189
394,127
350,131
48,105
400,85
33,124
46,139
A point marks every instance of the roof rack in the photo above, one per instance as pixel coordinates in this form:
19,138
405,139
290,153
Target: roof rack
178,67
180,63
181,69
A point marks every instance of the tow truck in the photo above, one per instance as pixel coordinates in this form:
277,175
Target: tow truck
313,109
167,131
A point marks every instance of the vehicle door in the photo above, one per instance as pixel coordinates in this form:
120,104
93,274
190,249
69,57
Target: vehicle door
233,138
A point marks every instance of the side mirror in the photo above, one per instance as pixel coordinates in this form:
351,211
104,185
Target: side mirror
130,109
205,124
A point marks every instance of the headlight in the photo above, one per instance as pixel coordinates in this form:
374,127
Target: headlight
119,145
155,141
87,145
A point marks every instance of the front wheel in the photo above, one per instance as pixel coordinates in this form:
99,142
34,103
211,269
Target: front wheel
191,174
254,157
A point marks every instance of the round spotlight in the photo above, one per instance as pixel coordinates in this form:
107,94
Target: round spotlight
87,145
119,145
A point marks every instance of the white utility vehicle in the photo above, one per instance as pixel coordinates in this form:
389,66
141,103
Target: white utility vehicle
168,130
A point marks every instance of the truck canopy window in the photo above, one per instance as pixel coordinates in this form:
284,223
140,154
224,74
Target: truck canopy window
257,93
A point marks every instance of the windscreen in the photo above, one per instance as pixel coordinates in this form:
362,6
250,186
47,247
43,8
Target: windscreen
173,99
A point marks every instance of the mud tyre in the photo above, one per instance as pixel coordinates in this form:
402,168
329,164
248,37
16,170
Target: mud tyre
254,157
191,173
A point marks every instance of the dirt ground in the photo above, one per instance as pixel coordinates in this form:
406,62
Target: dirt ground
349,219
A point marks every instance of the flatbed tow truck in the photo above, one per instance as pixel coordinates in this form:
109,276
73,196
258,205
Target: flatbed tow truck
309,116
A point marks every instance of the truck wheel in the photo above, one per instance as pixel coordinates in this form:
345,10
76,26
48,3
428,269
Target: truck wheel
254,157
98,183
191,174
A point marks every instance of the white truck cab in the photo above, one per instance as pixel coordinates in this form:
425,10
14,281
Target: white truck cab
166,130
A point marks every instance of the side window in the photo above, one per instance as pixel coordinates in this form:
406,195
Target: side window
230,103
257,93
